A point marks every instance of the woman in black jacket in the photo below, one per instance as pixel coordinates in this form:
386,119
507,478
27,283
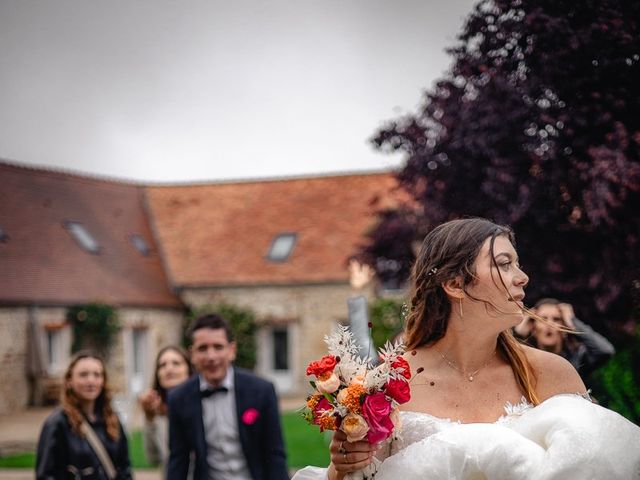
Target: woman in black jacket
571,338
64,452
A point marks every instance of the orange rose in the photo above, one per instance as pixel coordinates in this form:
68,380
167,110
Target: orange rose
355,426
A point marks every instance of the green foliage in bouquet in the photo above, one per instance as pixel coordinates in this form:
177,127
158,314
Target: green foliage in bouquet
617,384
387,317
243,324
95,326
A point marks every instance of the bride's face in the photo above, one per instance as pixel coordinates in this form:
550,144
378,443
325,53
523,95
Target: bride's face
499,283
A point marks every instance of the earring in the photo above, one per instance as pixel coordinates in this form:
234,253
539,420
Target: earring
461,314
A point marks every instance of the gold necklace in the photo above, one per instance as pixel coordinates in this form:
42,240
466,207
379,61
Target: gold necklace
469,376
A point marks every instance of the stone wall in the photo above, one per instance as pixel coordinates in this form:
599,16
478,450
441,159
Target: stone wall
162,326
315,309
14,389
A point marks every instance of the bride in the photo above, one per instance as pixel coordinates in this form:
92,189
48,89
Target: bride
485,406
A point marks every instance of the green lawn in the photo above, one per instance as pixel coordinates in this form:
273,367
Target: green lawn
305,446
21,460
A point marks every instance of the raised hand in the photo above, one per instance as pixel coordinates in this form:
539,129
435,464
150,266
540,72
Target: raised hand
151,404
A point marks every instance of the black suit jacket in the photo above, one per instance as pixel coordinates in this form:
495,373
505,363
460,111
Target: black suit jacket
260,436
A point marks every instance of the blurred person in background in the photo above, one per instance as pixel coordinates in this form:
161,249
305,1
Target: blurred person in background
585,349
83,439
225,420
171,369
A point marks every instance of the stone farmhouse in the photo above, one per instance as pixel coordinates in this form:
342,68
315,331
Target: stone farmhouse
279,247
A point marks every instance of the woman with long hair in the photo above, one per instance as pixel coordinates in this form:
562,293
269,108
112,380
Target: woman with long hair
83,438
482,404
171,369
555,328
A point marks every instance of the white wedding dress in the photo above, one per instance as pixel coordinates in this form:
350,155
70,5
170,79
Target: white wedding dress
564,438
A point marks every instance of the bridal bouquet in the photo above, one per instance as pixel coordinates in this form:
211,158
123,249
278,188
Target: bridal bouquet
356,397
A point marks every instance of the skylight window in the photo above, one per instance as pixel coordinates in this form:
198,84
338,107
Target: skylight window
81,235
282,247
140,244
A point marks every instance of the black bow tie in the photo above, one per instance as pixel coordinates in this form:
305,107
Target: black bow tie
210,391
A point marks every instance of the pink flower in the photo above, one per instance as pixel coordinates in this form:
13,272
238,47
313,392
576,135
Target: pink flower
376,409
250,416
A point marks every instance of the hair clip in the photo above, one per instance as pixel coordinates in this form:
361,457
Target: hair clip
433,271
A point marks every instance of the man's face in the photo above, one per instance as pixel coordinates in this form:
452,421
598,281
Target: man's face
212,353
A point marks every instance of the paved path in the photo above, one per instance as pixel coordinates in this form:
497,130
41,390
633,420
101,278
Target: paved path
27,474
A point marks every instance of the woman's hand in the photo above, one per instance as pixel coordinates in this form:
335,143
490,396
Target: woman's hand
523,329
566,310
348,457
151,403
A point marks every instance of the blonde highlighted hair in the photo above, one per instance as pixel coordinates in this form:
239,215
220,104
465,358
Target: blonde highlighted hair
70,402
447,252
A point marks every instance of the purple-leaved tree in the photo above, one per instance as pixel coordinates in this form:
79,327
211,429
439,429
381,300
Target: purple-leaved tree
537,125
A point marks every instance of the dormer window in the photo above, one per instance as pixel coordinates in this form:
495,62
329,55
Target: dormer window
140,244
82,236
282,247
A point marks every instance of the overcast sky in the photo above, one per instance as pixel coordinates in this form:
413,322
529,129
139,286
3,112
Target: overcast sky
170,90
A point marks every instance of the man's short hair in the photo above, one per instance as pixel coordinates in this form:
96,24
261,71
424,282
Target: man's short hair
214,322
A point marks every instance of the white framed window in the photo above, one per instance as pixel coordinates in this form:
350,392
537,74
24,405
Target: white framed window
138,355
280,339
277,347
57,348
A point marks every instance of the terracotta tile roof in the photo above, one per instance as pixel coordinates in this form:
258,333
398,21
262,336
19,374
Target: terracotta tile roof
41,263
220,234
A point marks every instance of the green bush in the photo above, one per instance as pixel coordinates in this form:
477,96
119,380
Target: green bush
243,324
387,318
94,325
617,384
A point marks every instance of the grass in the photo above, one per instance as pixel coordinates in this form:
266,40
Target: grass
21,460
305,446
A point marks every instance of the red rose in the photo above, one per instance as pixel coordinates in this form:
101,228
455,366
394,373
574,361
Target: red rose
376,409
398,390
323,415
323,366
402,363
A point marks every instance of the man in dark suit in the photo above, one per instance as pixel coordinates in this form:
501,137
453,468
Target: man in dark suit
225,417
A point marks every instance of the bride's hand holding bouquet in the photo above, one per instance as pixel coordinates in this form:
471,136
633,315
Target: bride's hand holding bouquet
357,400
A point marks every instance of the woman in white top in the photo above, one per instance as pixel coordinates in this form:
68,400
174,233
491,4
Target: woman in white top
484,405
172,368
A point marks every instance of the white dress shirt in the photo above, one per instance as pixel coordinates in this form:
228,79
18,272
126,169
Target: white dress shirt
225,457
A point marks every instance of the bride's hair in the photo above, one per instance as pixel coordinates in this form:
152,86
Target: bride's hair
447,252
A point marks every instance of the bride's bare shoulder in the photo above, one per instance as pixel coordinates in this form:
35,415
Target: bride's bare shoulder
554,374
